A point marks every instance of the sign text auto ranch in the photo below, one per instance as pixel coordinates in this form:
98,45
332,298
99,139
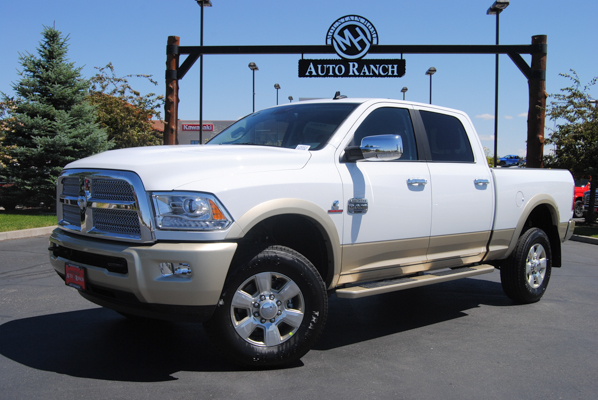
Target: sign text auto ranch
351,69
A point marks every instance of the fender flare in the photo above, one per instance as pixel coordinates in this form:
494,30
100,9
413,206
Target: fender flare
272,208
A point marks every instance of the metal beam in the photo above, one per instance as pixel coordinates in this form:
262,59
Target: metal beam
374,49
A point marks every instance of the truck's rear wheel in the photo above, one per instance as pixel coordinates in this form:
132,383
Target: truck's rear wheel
272,309
527,271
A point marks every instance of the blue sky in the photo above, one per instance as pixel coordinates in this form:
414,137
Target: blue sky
132,34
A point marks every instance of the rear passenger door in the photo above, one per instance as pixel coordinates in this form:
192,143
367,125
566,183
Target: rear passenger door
462,190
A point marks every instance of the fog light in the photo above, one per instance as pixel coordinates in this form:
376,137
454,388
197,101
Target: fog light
175,269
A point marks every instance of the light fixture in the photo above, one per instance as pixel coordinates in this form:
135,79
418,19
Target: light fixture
276,86
253,67
404,90
431,71
497,7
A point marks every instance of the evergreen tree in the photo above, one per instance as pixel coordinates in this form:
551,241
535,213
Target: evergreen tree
50,124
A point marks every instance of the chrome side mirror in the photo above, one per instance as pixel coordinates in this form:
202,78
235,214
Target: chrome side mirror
382,147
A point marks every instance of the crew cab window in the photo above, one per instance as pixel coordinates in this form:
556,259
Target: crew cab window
389,121
447,138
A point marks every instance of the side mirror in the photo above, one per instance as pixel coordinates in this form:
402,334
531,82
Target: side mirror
382,147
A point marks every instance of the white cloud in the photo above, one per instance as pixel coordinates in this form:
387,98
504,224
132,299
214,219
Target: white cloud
485,116
522,114
486,137
508,117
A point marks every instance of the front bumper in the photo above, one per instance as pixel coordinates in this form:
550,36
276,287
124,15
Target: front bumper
128,278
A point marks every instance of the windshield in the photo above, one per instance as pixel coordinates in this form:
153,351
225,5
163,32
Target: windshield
298,126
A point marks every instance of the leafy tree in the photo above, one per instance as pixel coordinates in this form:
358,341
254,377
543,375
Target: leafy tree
575,138
123,111
489,157
49,123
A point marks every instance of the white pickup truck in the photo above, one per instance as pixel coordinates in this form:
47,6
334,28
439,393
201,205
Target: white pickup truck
252,232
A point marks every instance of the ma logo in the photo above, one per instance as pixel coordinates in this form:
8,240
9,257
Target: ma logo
352,36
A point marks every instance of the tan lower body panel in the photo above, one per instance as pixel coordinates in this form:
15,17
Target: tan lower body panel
382,260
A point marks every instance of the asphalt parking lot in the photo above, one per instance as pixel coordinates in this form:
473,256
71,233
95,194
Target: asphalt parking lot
457,340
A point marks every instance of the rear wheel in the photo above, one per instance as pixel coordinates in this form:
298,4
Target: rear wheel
526,273
272,309
578,213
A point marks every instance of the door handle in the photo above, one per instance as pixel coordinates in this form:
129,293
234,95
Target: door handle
416,182
481,182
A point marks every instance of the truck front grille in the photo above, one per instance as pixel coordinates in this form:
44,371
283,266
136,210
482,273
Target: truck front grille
120,222
112,189
107,204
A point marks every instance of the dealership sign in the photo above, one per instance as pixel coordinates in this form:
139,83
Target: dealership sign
352,37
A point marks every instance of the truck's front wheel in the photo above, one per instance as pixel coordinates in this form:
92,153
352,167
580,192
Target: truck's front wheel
272,309
526,273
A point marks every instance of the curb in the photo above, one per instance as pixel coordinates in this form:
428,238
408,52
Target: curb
584,239
26,233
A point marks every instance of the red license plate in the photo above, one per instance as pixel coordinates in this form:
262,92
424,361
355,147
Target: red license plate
75,276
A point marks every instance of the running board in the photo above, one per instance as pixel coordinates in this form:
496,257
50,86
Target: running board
393,285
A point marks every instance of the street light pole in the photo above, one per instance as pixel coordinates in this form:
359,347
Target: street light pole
253,67
290,99
404,90
201,4
496,8
276,86
431,71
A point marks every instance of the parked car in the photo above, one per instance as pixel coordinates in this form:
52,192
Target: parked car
582,185
510,160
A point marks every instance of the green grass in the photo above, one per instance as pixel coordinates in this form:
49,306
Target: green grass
586,231
25,219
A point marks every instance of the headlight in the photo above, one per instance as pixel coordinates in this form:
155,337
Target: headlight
189,211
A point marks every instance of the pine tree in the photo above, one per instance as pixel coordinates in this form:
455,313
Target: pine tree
50,124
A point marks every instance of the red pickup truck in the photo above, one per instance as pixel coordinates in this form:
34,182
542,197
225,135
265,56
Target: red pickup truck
581,186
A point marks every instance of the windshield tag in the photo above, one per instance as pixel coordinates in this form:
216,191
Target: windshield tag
302,147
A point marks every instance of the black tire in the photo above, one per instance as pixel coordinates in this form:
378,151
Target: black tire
578,213
526,273
272,310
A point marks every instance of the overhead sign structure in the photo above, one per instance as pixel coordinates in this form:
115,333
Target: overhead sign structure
351,37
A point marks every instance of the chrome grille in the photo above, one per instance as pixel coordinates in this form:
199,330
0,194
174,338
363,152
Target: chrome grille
112,189
122,222
106,204
71,214
70,186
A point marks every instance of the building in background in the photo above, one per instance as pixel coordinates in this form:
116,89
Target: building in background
188,130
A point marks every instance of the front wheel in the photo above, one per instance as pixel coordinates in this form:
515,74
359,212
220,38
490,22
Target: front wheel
526,273
271,311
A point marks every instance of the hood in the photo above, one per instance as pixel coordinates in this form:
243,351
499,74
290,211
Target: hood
169,167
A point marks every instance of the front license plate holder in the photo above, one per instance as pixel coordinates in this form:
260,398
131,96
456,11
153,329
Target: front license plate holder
74,276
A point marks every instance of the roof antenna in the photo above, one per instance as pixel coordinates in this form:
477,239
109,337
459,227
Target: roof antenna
338,95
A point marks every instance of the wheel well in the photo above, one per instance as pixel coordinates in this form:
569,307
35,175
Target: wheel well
297,232
544,217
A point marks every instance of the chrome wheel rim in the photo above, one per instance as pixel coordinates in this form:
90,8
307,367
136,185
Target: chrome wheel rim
535,266
267,309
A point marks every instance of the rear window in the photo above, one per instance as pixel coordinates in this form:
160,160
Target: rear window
447,138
